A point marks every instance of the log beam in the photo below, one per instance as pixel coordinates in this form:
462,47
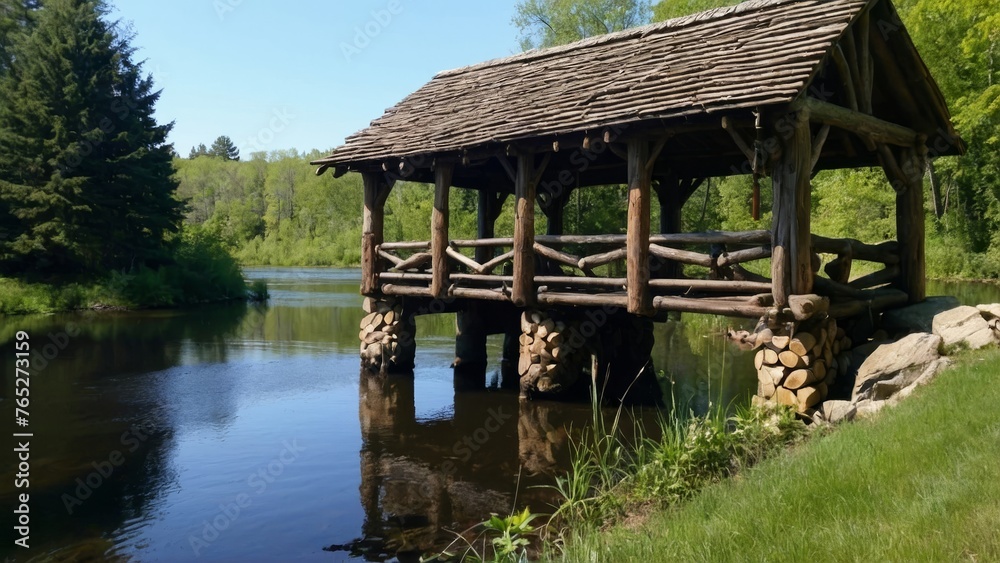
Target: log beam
866,126
439,230
637,243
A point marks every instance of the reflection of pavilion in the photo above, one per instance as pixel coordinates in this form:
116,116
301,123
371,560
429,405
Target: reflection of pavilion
419,478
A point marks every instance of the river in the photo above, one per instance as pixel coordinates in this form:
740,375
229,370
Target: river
237,432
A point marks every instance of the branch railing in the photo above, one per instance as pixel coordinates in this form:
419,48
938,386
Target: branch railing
570,264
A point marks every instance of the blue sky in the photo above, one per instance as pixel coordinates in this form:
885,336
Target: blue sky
304,74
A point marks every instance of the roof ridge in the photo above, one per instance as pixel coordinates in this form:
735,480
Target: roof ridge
630,33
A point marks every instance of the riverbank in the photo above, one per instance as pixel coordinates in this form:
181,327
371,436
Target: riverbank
917,482
201,272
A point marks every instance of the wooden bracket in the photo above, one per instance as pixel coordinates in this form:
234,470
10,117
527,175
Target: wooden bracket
817,145
541,169
655,154
508,167
738,138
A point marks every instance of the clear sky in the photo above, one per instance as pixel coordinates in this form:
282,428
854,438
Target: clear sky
303,74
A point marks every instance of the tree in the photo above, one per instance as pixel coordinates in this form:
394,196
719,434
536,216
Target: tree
545,23
85,172
668,9
200,150
224,148
16,19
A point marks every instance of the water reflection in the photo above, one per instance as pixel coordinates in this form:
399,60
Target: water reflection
196,401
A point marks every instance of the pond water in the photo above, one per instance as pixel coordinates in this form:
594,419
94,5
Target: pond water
245,433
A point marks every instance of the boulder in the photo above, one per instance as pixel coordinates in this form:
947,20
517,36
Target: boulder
963,326
989,312
930,372
836,412
919,317
895,366
867,409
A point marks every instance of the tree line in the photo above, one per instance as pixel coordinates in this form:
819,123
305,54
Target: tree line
88,193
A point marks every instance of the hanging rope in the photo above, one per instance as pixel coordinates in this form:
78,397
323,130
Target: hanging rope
758,165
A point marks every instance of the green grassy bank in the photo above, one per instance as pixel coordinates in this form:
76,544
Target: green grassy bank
200,271
921,482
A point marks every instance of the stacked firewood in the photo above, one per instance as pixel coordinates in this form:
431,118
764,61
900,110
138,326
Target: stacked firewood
545,353
380,331
797,369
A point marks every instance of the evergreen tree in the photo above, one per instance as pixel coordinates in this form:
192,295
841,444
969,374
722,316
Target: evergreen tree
85,172
200,150
224,148
16,19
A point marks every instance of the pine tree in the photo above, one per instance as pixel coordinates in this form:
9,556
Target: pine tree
16,19
224,148
85,172
200,150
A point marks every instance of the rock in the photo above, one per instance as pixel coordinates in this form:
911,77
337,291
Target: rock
930,372
867,409
963,326
894,366
836,412
989,312
919,317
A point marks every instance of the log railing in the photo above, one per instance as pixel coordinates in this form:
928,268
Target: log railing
569,270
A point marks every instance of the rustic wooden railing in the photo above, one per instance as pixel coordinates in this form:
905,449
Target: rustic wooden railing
567,274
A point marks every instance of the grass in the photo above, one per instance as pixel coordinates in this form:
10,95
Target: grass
921,482
614,476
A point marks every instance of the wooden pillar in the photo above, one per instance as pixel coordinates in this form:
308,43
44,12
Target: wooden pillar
376,190
486,224
791,263
555,215
668,193
439,231
640,301
523,288
910,226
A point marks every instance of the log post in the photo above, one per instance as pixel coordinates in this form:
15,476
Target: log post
555,213
486,225
910,227
668,193
791,264
523,287
376,191
439,231
640,300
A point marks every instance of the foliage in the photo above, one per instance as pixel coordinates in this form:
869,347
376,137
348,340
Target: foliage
202,271
918,483
612,474
668,9
545,23
224,148
16,18
85,172
508,540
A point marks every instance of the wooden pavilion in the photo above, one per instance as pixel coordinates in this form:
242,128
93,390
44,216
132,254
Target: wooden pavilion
768,88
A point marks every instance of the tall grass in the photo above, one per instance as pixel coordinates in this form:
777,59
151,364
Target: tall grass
616,472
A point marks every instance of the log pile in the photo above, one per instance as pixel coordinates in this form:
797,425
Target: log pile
547,362
381,331
797,369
